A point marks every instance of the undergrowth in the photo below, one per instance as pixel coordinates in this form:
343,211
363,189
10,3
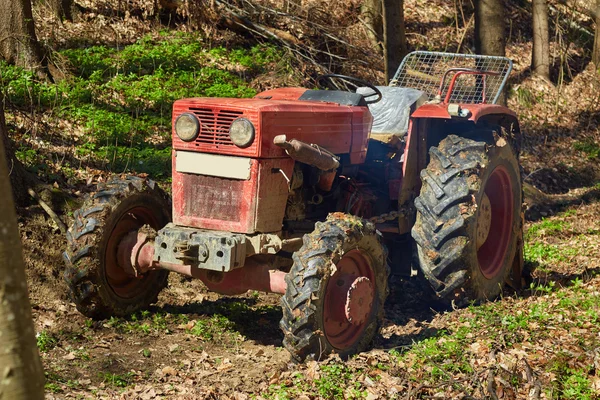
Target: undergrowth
118,101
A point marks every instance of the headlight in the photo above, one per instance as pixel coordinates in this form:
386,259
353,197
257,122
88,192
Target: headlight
241,132
187,127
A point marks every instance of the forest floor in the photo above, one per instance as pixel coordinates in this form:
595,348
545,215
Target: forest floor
112,115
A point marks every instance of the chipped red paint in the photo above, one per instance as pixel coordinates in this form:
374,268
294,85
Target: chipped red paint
258,204
233,205
340,331
477,111
253,276
291,93
339,129
500,192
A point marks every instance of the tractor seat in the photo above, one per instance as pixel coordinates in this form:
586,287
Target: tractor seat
392,113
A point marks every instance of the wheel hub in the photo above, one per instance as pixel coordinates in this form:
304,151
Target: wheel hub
349,300
484,220
359,300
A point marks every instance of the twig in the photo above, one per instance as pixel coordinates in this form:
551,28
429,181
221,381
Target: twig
537,387
462,38
46,207
491,385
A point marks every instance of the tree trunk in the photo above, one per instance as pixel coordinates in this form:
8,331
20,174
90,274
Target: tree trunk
18,42
489,31
21,374
20,179
394,37
372,14
489,27
596,51
540,60
63,9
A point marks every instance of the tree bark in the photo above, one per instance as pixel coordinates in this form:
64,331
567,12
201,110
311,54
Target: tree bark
489,31
20,179
596,51
18,41
540,60
63,9
21,374
394,37
372,15
489,27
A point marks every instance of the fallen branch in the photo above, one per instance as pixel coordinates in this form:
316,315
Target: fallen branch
49,211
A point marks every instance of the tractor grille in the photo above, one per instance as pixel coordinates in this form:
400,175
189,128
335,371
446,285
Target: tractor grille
214,126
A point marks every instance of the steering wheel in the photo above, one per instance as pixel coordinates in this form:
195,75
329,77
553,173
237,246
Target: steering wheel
331,80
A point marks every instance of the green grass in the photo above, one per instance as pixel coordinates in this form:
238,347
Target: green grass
547,227
215,327
117,380
46,341
146,322
590,148
120,100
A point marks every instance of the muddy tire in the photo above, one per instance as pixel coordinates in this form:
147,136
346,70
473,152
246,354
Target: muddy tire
97,284
342,259
468,217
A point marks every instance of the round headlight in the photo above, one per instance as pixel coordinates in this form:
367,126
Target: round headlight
187,127
241,132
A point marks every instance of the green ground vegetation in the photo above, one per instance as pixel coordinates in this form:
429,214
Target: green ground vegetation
119,101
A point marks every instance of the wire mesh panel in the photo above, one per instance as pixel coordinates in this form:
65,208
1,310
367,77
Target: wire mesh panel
455,78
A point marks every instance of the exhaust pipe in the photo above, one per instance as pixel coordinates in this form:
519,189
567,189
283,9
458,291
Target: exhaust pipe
307,154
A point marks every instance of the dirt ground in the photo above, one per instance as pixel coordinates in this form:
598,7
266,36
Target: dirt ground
198,345
236,353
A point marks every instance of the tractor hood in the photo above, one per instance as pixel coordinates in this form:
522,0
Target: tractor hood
331,119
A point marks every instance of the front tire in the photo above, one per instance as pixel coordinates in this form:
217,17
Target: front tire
336,290
97,285
468,217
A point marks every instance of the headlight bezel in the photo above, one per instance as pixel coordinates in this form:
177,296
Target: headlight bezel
249,130
192,118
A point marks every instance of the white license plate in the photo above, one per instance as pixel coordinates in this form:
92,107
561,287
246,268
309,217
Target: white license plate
213,165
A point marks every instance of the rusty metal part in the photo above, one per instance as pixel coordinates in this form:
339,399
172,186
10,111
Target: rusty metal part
326,180
392,215
339,329
125,251
484,220
292,244
137,256
307,154
359,300
254,276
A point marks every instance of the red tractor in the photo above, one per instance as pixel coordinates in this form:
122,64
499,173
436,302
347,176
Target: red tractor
309,193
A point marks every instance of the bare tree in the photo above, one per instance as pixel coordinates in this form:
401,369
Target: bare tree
540,60
596,50
63,9
372,15
18,41
394,36
489,27
21,374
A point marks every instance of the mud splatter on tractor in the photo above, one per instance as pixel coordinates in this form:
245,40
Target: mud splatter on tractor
305,193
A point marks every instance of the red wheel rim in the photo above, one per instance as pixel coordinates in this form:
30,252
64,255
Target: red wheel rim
353,273
491,255
123,284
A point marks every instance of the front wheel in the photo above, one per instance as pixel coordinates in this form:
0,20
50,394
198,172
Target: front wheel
336,290
98,285
468,217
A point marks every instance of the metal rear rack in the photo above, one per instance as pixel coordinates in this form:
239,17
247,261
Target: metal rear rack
473,78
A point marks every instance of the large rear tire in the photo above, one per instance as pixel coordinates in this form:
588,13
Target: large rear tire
336,290
468,217
97,284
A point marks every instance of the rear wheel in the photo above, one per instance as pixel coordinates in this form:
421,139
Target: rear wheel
336,290
97,283
468,218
